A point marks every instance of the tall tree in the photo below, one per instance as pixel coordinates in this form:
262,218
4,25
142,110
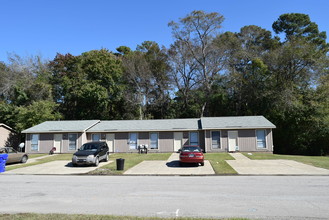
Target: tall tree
158,100
88,86
196,32
297,25
296,65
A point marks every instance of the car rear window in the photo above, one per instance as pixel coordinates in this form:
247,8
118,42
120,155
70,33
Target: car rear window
191,149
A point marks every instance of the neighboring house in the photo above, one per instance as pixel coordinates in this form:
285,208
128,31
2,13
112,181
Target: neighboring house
213,134
6,133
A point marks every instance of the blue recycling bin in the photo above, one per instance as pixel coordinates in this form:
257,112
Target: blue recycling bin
3,159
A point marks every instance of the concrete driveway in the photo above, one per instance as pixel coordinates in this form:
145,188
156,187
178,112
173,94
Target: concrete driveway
169,167
244,165
59,167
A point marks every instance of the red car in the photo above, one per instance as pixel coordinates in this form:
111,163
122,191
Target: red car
191,154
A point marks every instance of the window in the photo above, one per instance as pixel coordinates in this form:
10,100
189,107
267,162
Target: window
73,141
34,142
215,139
154,140
194,138
95,137
133,140
261,142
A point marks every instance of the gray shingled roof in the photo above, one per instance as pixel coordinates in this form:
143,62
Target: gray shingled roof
240,122
61,126
147,125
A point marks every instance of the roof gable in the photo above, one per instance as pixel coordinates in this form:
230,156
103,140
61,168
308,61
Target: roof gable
6,127
62,126
240,122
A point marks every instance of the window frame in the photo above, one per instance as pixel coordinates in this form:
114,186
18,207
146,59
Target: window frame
219,139
157,141
198,143
37,144
100,136
263,141
76,141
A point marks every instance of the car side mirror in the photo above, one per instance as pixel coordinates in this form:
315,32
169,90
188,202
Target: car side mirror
180,150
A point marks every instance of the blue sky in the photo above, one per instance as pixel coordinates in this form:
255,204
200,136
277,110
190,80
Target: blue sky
45,27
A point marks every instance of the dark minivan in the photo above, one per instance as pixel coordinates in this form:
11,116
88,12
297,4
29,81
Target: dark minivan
91,154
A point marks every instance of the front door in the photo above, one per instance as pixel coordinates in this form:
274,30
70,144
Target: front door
110,142
232,141
58,142
133,141
178,140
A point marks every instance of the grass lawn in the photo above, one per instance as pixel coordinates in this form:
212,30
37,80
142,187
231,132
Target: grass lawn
32,216
219,164
131,159
40,161
317,161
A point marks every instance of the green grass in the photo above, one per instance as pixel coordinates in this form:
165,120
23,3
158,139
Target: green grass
33,216
42,160
131,159
219,164
317,161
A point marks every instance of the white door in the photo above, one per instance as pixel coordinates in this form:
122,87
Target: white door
178,140
110,142
232,140
58,142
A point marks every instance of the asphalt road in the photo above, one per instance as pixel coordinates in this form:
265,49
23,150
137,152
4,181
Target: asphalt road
264,197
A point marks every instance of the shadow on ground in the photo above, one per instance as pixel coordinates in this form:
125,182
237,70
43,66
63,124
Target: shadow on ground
176,164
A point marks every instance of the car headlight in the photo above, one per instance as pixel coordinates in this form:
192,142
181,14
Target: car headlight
74,157
90,157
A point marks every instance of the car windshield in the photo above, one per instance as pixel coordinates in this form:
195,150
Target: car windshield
89,147
191,149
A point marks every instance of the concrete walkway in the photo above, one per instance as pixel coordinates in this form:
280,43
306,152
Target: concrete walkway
243,165
169,167
58,167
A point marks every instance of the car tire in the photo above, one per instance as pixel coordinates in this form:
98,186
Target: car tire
96,162
202,164
106,158
24,159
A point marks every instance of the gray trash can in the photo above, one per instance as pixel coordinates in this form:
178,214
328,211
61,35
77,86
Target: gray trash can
3,159
120,164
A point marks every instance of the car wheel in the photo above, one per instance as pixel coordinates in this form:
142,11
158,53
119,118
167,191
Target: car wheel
106,158
202,164
24,159
96,162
